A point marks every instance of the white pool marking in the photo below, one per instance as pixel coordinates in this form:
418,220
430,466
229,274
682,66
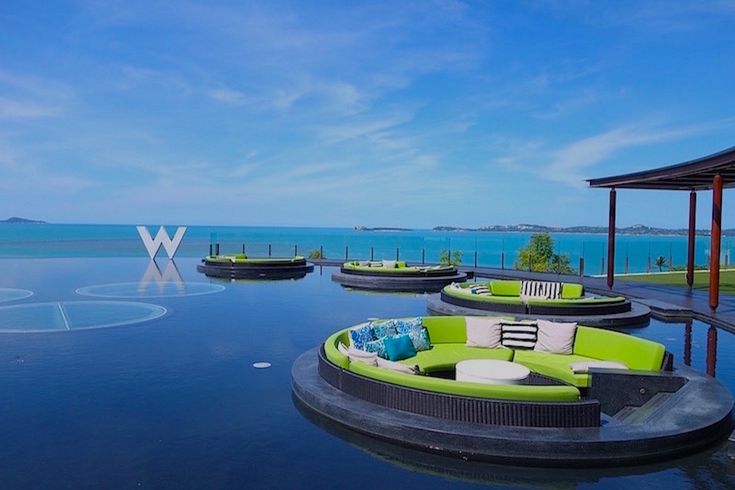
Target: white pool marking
261,365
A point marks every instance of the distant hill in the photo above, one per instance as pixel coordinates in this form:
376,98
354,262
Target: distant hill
384,228
629,230
15,219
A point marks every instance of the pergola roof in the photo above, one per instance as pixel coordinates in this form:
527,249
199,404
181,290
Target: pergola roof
692,175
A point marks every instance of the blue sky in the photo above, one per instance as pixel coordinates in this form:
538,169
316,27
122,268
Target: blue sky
343,113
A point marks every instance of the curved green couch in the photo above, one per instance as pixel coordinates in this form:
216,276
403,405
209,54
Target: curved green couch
505,296
244,259
383,267
448,338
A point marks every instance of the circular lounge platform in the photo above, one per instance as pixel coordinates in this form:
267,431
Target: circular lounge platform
548,300
242,267
603,417
392,275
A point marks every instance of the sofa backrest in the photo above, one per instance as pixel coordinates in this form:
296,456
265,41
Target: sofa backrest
570,290
634,352
505,288
446,329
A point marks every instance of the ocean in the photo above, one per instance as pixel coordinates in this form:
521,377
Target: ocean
485,249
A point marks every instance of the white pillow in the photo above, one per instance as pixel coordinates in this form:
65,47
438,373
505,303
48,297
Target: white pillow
584,366
395,366
555,338
389,264
482,332
357,355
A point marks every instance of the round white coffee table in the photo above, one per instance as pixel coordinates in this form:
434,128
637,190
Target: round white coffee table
491,371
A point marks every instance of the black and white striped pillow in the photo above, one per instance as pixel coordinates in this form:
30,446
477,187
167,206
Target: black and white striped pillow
541,289
518,335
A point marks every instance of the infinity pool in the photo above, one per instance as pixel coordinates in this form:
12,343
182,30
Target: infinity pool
175,402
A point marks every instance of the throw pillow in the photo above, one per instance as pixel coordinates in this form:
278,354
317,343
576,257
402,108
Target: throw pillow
420,339
377,346
396,366
383,328
583,367
400,347
359,336
518,335
355,355
389,264
483,332
405,325
555,338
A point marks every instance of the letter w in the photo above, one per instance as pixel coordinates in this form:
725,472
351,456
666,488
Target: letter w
162,238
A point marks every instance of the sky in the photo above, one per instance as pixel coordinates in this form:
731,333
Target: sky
344,113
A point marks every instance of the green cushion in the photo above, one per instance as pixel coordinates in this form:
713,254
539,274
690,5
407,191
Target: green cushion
597,300
486,298
634,352
442,357
570,290
505,288
445,329
479,390
333,354
555,365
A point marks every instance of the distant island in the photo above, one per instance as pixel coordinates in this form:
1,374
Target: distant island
16,220
384,228
629,230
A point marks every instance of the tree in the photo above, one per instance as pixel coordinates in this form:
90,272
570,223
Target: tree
539,256
445,259
661,262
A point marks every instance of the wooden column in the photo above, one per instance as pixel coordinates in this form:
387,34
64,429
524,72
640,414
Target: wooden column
611,241
715,238
692,237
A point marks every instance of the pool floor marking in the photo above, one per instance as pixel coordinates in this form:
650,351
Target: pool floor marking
63,316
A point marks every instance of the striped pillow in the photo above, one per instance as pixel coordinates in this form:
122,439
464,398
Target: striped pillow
541,289
518,335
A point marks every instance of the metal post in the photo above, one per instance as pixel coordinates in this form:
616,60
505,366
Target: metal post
423,256
347,251
210,249
295,250
475,259
397,253
611,241
691,237
581,266
243,248
269,250
216,249
321,252
372,254
715,237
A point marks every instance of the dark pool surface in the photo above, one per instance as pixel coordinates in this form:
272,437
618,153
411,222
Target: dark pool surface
176,403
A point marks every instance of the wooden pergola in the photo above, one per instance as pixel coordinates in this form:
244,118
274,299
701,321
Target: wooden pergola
713,172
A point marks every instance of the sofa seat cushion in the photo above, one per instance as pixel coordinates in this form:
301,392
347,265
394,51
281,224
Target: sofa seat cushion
443,357
462,388
557,366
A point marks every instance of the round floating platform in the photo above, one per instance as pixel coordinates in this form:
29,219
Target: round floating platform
153,289
75,315
637,316
267,268
694,414
385,281
10,294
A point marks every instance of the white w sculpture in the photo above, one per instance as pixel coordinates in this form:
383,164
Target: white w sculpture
162,238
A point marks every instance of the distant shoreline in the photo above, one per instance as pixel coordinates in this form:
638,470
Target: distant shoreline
629,230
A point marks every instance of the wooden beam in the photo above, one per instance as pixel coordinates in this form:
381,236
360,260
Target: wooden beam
611,241
715,239
692,237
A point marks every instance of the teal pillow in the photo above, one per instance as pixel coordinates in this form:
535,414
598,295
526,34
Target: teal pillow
398,348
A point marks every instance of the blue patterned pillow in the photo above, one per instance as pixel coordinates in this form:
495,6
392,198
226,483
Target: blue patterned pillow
420,339
405,325
377,346
383,328
360,336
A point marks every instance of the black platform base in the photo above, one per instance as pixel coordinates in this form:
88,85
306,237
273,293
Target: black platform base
697,416
253,271
385,282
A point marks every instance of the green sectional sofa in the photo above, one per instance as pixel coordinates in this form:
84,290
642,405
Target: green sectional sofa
505,296
448,346
394,267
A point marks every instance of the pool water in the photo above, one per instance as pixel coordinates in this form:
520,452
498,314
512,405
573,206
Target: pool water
175,402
